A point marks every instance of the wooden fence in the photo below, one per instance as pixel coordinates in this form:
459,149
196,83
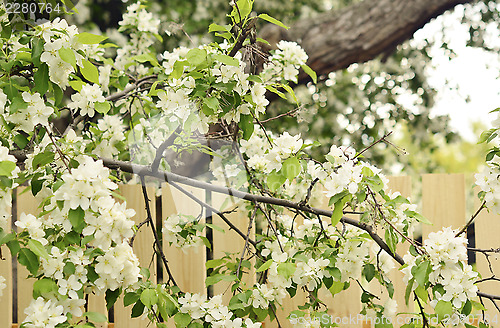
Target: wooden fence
443,203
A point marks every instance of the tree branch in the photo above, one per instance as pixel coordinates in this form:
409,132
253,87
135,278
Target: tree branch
358,33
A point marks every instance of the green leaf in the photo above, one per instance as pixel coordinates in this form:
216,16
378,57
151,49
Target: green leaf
6,168
214,263
274,90
244,7
218,28
310,72
275,180
42,159
336,287
89,38
37,49
130,298
286,269
102,107
408,290
265,266
391,239
27,258
214,227
95,316
421,273
291,92
196,56
421,293
291,168
338,210
246,124
37,248
43,287
76,217
111,297
182,320
21,141
41,77
144,58
272,20
137,309
369,272
89,71
486,135
225,59
149,297
212,103
68,55
443,310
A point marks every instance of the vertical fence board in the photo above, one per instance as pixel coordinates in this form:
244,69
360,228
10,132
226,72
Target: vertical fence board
230,241
143,248
402,184
6,272
188,267
443,201
487,231
25,203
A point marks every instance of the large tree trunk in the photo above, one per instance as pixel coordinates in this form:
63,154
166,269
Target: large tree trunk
358,33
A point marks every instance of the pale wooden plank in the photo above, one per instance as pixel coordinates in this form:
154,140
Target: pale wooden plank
403,185
6,272
143,248
25,203
230,241
487,231
187,266
97,303
443,201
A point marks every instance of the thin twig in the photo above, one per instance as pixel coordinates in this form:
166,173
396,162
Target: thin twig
246,241
155,234
213,209
483,205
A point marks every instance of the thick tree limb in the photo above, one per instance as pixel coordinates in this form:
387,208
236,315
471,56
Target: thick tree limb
358,33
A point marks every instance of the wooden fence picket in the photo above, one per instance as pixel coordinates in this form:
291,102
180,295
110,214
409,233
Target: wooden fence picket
443,201
230,241
143,248
487,227
25,203
403,185
6,272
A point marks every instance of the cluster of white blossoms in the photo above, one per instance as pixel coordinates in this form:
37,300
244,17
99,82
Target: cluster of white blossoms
10,172
285,62
212,311
137,16
86,99
111,134
143,27
86,194
180,231
42,313
117,268
489,183
26,116
61,42
354,253
229,96
447,255
33,113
